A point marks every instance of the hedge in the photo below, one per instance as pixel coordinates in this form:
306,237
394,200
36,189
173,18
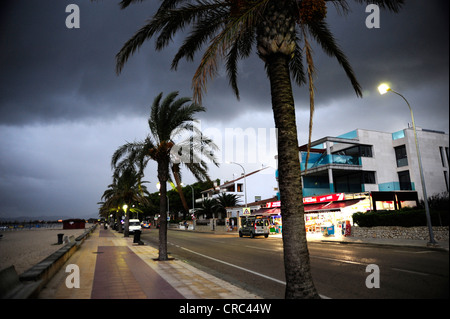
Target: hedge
404,218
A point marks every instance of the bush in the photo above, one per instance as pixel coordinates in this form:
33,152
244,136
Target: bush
405,218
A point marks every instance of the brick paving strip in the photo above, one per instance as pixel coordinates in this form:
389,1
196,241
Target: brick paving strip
112,267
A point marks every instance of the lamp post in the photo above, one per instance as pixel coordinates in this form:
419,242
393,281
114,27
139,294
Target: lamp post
126,232
193,203
245,190
383,89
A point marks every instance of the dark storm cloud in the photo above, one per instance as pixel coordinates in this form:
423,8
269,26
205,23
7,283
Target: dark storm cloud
64,111
52,73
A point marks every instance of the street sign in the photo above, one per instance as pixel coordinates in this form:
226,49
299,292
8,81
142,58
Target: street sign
246,211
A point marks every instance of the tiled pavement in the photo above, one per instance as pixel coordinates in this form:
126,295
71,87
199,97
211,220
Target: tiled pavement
112,267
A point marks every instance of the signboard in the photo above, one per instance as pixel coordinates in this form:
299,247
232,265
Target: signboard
324,198
273,204
313,199
246,211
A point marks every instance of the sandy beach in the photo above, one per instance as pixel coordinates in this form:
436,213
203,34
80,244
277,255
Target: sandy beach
25,248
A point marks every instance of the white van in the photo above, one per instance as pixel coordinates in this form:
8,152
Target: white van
134,224
254,226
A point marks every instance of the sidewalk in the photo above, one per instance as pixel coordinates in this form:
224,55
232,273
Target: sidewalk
112,267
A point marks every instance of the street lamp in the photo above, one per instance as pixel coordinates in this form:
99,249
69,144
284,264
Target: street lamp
245,189
126,232
193,206
383,89
193,200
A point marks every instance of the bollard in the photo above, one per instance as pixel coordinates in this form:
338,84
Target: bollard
137,237
60,239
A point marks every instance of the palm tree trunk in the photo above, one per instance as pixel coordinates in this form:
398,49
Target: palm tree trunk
299,282
176,175
163,176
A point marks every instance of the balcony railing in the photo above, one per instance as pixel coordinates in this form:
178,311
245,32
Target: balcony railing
325,159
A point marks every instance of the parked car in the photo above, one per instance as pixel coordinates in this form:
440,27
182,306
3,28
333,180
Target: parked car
134,224
255,226
145,224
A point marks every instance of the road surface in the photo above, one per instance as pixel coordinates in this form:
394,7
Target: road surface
339,270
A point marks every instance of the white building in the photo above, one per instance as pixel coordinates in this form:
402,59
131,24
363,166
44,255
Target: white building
372,161
252,187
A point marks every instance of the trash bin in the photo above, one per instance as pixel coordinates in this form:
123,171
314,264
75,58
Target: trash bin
60,239
137,237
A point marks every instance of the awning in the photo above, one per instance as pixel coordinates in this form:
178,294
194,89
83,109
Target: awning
266,211
310,208
330,206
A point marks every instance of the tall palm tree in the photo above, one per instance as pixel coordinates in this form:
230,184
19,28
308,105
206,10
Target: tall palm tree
280,31
126,189
171,119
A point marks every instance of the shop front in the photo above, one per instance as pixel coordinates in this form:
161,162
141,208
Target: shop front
328,214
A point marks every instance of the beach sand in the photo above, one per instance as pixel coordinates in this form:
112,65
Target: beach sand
26,248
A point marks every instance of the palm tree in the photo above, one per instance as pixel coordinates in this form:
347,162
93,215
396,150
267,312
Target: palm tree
126,189
209,207
171,119
280,30
225,200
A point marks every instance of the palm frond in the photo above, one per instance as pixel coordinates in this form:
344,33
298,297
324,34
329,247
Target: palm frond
320,31
311,71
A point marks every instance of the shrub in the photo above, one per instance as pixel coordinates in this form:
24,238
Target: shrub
405,217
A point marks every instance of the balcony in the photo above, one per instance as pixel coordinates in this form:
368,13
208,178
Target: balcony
318,160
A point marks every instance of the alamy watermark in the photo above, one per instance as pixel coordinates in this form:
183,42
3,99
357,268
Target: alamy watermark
73,279
373,279
73,19
242,145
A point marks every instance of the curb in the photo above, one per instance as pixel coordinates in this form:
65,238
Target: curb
390,244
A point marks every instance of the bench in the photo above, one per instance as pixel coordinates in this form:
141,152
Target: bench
12,288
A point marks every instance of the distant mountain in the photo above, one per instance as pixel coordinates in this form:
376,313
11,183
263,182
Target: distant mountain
40,218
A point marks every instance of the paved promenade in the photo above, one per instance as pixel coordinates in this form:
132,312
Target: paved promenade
113,267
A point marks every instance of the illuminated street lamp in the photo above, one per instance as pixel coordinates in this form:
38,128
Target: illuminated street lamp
383,89
126,232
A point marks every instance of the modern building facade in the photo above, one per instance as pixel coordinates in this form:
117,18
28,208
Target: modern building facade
371,161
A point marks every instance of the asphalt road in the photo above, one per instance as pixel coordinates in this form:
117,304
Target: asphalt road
339,270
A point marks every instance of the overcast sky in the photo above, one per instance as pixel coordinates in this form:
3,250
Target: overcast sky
64,111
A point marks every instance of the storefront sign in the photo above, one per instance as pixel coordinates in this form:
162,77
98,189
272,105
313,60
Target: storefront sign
313,200
324,198
273,204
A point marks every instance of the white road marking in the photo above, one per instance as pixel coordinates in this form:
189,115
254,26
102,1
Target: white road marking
242,268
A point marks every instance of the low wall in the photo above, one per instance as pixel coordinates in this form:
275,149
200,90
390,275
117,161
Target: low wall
418,233
48,267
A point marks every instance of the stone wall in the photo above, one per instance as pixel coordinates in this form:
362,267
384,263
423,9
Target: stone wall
420,233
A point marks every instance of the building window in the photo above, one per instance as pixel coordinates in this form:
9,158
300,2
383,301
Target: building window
446,179
446,153
230,188
368,178
365,150
240,188
441,152
358,151
404,181
401,156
